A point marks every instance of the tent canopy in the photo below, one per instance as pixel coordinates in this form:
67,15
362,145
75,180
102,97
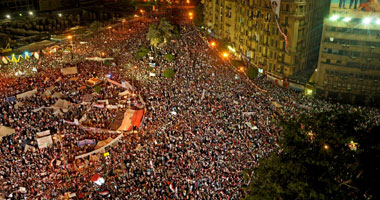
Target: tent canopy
5,131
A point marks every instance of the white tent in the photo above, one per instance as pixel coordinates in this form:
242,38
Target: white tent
5,131
69,70
26,94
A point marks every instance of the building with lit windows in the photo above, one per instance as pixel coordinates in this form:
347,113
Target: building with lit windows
281,45
349,61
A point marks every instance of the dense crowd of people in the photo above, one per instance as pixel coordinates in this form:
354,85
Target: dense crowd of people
202,128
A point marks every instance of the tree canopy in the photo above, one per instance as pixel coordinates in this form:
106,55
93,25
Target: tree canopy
330,155
161,33
95,26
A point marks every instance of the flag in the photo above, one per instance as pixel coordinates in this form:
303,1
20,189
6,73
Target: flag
103,193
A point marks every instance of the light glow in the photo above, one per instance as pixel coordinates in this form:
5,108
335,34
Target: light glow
367,20
8,16
30,13
231,49
334,17
347,19
378,21
59,14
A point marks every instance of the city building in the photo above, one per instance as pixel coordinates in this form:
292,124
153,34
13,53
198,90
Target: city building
349,61
25,6
281,37
8,6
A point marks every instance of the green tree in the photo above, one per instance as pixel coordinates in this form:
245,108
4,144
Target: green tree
169,57
318,160
161,33
155,36
252,72
95,26
168,73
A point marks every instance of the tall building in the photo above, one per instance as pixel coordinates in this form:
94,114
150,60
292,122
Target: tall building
279,36
7,6
349,61
23,6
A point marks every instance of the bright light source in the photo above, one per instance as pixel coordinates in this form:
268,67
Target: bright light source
69,37
326,147
109,75
378,21
8,16
60,14
367,20
347,19
187,1
334,17
225,54
231,49
20,14
190,14
241,68
30,13
213,44
309,92
109,27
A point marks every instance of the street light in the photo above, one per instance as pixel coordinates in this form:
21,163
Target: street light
109,29
70,37
59,14
213,44
30,13
225,55
326,147
8,16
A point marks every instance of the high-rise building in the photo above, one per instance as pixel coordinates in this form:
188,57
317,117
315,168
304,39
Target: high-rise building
279,36
7,6
349,61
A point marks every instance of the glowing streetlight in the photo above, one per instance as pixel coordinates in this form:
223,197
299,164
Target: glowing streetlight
347,19
190,14
70,37
188,1
109,29
225,55
326,147
8,16
213,44
242,69
30,13
367,20
59,14
334,17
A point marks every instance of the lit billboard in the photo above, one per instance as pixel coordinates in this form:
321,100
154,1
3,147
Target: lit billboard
360,5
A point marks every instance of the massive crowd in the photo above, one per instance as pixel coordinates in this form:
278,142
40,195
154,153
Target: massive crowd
201,130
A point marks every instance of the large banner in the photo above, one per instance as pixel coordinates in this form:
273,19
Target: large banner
362,5
276,7
44,142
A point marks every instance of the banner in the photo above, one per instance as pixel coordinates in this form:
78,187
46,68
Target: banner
276,7
100,149
44,142
26,94
43,133
275,4
360,5
69,70
125,84
86,141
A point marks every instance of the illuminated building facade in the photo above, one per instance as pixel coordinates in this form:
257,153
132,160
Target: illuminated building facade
349,61
280,36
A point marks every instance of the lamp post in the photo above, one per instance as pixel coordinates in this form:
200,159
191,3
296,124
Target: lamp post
72,46
123,22
109,29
